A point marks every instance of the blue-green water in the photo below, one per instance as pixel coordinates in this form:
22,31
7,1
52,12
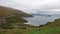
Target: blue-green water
40,20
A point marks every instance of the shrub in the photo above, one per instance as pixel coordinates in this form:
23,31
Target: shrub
41,25
7,26
48,23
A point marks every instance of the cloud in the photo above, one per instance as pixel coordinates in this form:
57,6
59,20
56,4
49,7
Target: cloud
43,5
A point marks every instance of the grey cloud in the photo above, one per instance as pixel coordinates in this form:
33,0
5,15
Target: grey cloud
46,5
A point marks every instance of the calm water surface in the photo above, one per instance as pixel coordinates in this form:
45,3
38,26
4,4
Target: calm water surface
40,20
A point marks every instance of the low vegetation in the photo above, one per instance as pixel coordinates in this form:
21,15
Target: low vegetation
15,19
50,28
7,26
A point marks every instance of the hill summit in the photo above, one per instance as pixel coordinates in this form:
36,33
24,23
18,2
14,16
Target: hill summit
6,11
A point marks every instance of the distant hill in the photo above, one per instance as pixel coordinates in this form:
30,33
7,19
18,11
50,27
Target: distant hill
42,15
6,11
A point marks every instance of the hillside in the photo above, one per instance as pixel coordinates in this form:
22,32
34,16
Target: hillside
49,28
6,11
12,15
9,17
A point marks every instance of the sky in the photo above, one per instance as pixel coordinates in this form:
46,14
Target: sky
33,6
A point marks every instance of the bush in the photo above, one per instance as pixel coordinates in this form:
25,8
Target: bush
49,22
41,25
7,26
22,27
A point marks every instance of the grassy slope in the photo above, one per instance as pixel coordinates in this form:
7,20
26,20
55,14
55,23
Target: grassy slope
51,28
15,19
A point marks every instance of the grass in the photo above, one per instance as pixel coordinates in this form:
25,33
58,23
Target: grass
12,23
15,19
50,28
53,30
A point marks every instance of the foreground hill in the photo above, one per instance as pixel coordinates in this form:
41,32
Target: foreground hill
49,28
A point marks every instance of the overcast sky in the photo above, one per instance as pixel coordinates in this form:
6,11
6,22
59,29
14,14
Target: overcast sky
43,5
